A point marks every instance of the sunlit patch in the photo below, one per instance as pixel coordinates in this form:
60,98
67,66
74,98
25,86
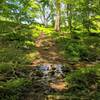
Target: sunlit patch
58,86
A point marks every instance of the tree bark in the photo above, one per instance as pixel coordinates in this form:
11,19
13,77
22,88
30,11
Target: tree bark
69,13
58,16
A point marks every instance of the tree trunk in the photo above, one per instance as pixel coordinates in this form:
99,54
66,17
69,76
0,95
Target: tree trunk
69,13
58,16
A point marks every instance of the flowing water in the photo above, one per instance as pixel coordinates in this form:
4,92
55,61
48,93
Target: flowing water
50,70
52,79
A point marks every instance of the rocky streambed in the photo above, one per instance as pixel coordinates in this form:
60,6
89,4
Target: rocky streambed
47,79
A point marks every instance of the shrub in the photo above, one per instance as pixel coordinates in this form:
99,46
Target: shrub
4,67
75,49
12,89
86,49
85,82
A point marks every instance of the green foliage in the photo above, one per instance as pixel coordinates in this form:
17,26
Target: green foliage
22,22
6,55
80,47
41,28
73,49
18,11
13,89
4,67
85,82
15,84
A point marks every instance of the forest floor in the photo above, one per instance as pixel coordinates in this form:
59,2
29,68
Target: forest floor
19,58
48,53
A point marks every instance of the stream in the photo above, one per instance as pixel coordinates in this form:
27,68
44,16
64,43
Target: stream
52,71
48,79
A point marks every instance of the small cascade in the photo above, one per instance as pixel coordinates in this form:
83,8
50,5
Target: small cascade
48,78
50,71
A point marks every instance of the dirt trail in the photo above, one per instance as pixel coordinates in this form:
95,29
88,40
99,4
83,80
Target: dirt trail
48,52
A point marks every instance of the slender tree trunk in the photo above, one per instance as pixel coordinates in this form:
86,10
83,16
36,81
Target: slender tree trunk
86,15
58,16
45,21
44,18
69,13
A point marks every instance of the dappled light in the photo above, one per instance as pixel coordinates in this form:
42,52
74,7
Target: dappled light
49,49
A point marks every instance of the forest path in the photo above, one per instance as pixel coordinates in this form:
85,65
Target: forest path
47,51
